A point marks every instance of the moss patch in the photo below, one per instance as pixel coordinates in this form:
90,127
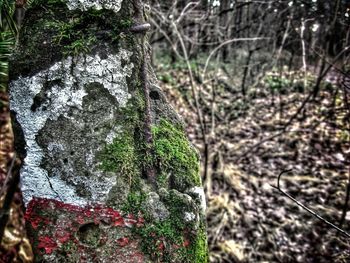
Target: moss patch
124,154
51,31
119,156
174,155
173,239
199,249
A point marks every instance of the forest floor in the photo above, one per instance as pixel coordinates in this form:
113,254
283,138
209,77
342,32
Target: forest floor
251,141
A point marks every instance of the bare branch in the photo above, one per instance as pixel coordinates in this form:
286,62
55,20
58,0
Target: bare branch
278,187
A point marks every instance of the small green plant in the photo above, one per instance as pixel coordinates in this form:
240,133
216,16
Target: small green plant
277,82
79,46
74,41
65,31
166,78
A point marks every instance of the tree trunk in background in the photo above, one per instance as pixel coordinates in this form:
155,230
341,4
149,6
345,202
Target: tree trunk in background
224,26
79,84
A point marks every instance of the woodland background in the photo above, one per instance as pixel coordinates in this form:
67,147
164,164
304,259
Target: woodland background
263,87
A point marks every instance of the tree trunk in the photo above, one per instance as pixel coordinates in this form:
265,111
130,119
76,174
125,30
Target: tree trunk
108,174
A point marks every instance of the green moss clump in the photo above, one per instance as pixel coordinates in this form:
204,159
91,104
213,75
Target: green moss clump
120,156
163,242
175,156
134,202
173,239
199,248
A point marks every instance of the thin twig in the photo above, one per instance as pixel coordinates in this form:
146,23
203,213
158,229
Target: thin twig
278,187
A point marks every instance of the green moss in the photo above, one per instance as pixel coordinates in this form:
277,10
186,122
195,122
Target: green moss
68,252
124,155
119,156
167,242
71,36
175,156
173,239
199,248
134,202
34,3
161,239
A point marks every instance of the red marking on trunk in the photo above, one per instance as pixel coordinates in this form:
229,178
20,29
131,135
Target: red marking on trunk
186,243
47,243
55,223
119,222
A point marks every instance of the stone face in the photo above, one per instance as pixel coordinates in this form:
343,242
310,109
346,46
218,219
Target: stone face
81,113
66,100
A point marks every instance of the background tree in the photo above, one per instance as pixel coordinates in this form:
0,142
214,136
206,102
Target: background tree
270,81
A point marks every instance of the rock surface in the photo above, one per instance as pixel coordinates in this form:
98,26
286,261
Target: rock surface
79,104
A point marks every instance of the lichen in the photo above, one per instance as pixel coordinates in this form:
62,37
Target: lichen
114,5
174,155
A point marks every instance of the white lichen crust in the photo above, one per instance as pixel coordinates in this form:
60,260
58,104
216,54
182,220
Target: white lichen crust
84,5
199,192
68,79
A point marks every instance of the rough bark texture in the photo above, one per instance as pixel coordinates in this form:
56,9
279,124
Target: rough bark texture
79,114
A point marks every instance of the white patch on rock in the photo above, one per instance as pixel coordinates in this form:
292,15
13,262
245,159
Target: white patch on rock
155,207
114,132
60,99
199,191
189,217
84,5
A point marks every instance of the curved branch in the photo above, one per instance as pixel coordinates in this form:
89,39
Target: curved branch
278,187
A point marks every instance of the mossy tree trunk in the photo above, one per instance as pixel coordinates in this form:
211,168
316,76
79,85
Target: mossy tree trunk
108,174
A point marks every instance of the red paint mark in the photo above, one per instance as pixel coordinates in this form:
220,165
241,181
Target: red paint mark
161,246
35,221
123,241
119,222
186,243
83,214
63,236
62,221
47,243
